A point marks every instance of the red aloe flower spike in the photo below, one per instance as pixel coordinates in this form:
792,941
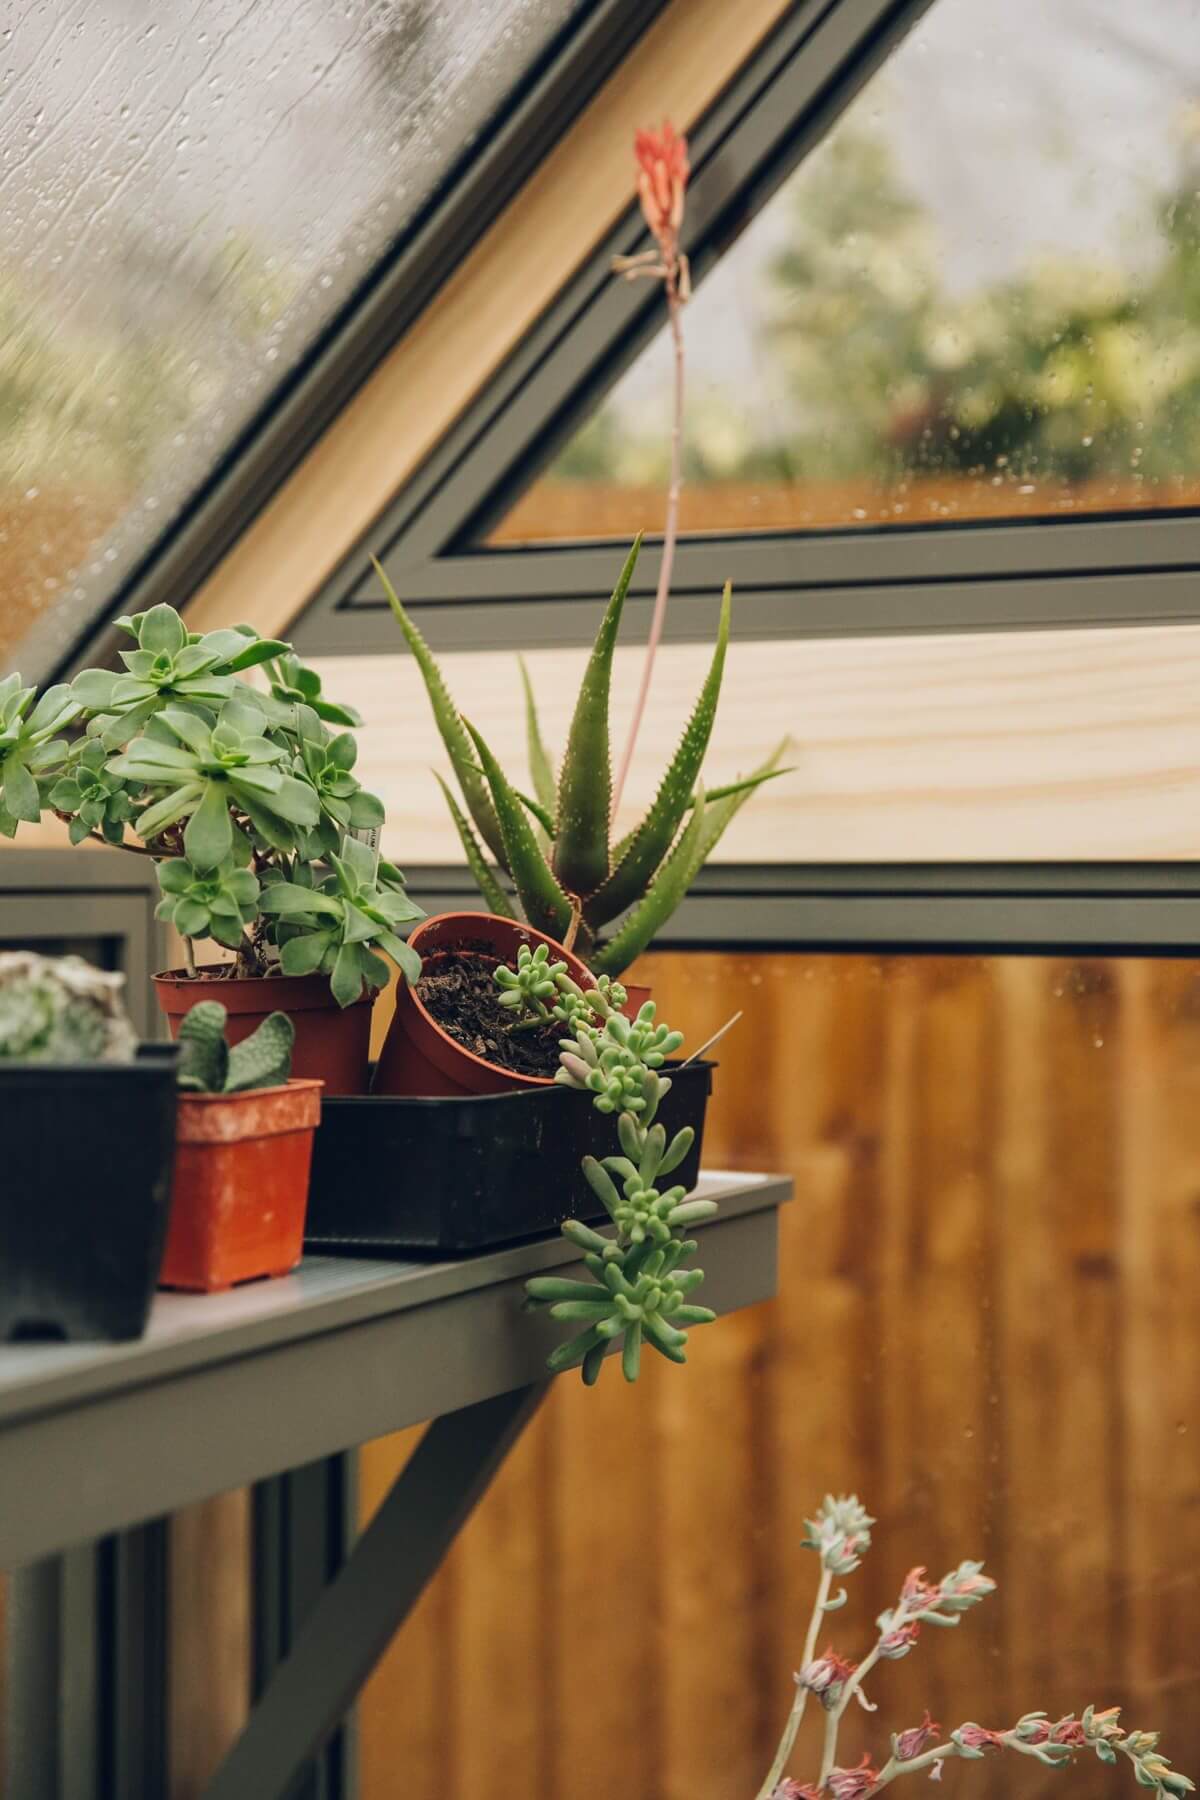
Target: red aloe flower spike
663,171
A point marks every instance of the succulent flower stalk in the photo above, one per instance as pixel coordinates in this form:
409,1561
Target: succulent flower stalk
840,1535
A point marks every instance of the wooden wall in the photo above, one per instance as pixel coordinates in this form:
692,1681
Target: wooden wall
986,1325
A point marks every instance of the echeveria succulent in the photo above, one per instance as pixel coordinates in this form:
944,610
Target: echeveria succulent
236,790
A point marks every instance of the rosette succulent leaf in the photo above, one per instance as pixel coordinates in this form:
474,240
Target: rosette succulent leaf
30,747
339,925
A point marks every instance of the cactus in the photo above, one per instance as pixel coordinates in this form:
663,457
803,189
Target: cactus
60,1009
207,1065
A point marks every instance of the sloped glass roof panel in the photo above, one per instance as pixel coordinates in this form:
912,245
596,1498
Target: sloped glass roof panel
188,194
978,297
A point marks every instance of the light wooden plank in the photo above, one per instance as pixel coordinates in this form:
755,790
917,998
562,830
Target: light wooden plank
1010,747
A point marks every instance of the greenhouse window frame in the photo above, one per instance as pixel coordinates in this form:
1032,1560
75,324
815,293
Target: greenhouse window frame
1107,569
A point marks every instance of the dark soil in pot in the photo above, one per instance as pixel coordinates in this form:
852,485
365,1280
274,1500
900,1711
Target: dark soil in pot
458,989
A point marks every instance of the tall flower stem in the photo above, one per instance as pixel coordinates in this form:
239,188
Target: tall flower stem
833,1718
670,533
787,1741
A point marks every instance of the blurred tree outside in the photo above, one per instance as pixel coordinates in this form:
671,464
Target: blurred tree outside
1075,372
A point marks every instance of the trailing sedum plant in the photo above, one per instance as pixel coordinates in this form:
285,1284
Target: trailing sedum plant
207,1064
244,795
639,1291
61,1009
841,1535
571,880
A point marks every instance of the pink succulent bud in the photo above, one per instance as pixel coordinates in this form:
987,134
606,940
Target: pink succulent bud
898,1640
852,1784
795,1790
662,179
917,1594
910,1743
1068,1731
977,1737
826,1676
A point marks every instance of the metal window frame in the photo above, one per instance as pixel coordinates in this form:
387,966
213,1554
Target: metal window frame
487,174
1102,570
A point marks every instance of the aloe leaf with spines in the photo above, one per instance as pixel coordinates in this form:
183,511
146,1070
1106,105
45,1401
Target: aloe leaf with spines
541,768
666,891
584,804
577,881
451,726
545,903
233,790
486,878
645,849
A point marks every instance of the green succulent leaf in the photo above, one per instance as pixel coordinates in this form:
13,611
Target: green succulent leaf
484,876
545,904
643,852
664,895
453,731
584,805
541,768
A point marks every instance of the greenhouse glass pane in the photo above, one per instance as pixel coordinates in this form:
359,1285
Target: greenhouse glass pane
979,297
187,195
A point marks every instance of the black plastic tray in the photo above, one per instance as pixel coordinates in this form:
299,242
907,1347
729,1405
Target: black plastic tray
455,1176
84,1194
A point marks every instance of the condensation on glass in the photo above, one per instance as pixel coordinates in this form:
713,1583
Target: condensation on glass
187,195
978,297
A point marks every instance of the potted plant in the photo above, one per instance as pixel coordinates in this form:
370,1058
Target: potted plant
81,1235
245,797
457,1175
572,881
244,1137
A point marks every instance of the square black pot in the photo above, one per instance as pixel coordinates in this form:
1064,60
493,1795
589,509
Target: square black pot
85,1194
455,1176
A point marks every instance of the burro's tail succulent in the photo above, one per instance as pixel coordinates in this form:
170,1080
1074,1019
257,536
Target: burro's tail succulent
571,880
638,1292
61,1009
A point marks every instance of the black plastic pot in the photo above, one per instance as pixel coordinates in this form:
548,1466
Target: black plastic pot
85,1193
454,1176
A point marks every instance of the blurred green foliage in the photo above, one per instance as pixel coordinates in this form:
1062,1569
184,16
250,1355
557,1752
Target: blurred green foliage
1073,370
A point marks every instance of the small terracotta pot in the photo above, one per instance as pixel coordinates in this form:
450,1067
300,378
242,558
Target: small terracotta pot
638,997
241,1185
333,1043
419,1058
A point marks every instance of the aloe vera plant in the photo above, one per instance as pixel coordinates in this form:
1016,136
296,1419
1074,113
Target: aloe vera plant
244,795
571,879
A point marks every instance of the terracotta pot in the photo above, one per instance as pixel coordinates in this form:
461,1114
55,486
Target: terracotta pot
638,997
241,1185
419,1058
333,1043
